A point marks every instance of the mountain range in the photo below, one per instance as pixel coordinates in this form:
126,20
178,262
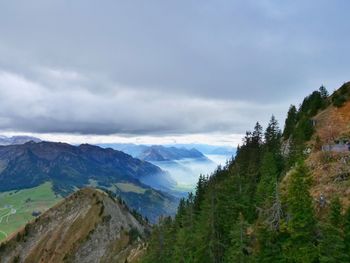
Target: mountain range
171,152
70,167
159,153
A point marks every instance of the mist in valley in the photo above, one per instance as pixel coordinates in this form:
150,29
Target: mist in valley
186,172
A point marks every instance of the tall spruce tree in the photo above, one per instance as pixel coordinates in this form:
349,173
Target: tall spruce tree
237,251
332,246
267,185
290,122
301,246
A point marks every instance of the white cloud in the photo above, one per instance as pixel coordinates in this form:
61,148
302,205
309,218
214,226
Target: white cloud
29,106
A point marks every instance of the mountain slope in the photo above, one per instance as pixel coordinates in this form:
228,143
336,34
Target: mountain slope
88,226
283,198
331,168
70,167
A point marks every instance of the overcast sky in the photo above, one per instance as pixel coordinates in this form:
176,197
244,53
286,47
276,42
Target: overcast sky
201,71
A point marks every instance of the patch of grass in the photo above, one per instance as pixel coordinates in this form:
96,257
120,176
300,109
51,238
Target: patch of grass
16,207
128,187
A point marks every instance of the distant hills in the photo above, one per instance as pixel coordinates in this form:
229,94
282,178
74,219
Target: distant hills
89,226
160,153
207,149
70,167
184,162
175,152
4,140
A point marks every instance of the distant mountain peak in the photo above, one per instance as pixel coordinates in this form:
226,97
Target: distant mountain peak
19,139
159,153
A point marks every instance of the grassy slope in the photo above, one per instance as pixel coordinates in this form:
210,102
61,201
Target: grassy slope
24,202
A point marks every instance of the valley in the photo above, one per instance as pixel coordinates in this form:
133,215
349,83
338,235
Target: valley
17,207
183,162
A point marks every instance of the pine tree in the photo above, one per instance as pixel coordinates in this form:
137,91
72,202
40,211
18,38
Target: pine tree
332,246
273,136
267,185
257,135
301,245
199,196
270,249
324,92
237,252
290,122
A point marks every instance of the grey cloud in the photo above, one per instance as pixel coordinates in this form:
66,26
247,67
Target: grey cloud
29,106
143,67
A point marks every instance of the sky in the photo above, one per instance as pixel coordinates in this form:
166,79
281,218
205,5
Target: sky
164,71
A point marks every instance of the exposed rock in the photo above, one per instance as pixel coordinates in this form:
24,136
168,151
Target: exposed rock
88,226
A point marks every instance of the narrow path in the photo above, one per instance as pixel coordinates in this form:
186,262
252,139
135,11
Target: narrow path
12,212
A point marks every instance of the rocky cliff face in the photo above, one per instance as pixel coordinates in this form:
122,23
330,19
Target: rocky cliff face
88,226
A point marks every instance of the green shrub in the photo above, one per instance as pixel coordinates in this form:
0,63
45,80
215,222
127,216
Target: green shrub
133,234
339,100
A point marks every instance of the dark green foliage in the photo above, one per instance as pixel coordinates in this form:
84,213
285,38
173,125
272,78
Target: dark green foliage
134,234
2,246
273,138
266,188
301,246
347,232
341,95
16,259
161,243
270,249
335,217
290,123
238,250
332,247
240,214
324,92
338,100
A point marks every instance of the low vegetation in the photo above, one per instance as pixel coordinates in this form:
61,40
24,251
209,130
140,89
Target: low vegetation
17,207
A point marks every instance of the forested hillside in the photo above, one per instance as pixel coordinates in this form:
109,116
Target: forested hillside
263,205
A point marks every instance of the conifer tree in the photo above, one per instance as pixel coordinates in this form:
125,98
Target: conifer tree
290,122
301,246
332,246
237,252
324,92
267,185
273,136
347,234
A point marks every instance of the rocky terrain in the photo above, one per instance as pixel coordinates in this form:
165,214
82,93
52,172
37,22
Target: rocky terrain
88,226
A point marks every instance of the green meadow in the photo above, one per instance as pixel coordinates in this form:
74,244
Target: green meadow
16,207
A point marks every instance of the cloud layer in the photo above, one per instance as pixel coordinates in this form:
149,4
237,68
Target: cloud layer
160,67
